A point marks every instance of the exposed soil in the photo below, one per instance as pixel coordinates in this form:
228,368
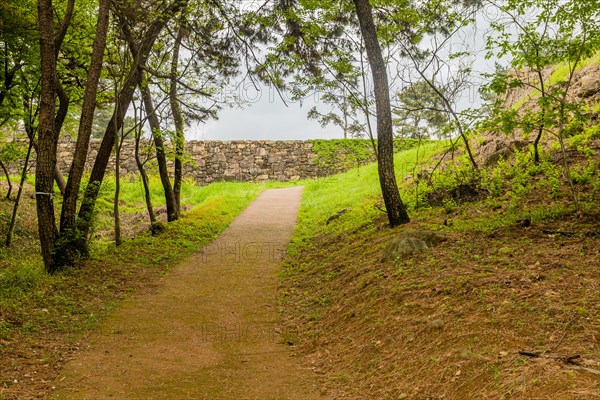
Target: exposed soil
208,330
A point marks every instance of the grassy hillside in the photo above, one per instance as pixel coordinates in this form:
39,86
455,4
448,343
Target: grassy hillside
518,273
357,192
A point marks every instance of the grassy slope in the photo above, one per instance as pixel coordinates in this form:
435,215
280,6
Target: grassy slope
357,190
448,323
42,317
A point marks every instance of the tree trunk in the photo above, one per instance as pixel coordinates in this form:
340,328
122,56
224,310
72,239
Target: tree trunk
145,182
71,193
536,142
345,113
450,109
7,174
9,75
117,191
365,107
161,157
27,122
177,119
63,97
58,178
395,208
64,27
46,157
13,219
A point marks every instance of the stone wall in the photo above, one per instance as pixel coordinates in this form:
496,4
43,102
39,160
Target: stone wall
240,160
211,161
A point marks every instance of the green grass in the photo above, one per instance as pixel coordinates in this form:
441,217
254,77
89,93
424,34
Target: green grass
51,313
213,208
131,198
132,193
357,190
338,297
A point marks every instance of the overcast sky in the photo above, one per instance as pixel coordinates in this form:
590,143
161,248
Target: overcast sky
267,117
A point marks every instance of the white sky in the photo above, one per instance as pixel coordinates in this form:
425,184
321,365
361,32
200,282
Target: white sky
267,117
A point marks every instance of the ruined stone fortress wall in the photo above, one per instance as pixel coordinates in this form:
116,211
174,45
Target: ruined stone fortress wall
212,161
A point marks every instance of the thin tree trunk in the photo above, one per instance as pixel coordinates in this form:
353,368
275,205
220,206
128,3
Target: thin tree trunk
86,211
7,174
395,208
565,164
345,111
9,74
366,105
46,157
59,180
561,128
13,219
536,142
177,119
63,107
63,97
117,191
145,182
160,153
64,27
450,109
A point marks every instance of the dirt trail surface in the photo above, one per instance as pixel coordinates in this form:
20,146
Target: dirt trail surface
209,330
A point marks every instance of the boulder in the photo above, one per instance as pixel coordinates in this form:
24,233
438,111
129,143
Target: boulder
502,154
409,243
401,247
590,85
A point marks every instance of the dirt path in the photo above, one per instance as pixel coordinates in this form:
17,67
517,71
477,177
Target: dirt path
209,331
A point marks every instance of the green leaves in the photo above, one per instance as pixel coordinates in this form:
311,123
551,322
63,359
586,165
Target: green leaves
420,112
536,35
